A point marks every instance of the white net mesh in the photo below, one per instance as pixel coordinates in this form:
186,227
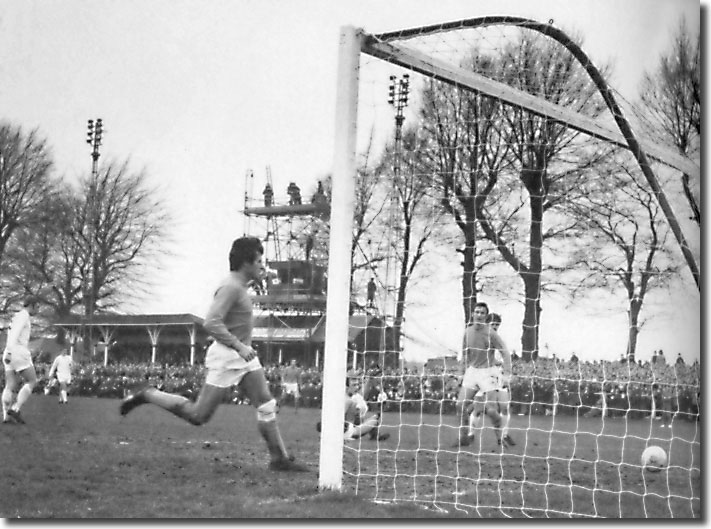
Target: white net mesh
535,193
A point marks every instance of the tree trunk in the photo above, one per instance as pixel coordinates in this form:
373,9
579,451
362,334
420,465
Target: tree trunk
633,319
532,276
531,317
469,274
696,213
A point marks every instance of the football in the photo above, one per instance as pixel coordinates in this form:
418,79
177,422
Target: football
654,458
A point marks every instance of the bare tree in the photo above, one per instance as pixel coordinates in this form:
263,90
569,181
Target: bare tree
414,214
627,242
50,256
671,101
368,247
547,155
128,222
466,153
487,153
43,257
25,165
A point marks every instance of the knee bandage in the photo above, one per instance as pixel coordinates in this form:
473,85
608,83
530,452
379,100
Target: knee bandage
267,411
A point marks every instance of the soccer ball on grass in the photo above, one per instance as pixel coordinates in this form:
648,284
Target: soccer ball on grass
654,458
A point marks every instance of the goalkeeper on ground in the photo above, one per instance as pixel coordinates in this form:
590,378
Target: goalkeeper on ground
356,422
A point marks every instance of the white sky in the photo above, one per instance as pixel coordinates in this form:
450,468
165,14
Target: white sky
197,93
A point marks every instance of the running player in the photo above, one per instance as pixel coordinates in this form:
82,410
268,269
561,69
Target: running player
230,360
18,363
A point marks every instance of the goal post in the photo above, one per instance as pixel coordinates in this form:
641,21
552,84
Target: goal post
339,263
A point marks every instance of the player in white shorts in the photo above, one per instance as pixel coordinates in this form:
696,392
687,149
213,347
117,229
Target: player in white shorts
17,361
481,374
230,360
290,384
62,368
499,398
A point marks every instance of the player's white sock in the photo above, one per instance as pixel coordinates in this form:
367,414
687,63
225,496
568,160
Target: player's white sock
6,401
63,396
475,419
22,396
505,419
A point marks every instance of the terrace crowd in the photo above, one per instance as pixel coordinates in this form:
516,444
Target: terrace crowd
543,386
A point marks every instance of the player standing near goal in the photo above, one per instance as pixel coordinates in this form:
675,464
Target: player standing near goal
230,360
17,361
497,400
481,372
291,384
62,367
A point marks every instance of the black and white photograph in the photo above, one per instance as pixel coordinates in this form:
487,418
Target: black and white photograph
334,259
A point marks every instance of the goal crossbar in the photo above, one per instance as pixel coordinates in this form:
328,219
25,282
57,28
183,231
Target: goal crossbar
449,73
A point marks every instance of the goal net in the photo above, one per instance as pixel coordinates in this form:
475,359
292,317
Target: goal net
489,160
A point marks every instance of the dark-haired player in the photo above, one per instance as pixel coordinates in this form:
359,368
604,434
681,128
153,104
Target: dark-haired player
496,401
357,423
481,372
230,360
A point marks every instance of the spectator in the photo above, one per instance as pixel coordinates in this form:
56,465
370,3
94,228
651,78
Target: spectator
294,193
660,357
268,195
372,289
319,197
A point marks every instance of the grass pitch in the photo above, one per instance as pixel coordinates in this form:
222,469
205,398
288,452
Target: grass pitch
82,460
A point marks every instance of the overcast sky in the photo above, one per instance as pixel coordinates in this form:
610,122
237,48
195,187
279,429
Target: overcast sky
197,93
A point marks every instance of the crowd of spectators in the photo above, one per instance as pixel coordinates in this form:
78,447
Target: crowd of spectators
541,387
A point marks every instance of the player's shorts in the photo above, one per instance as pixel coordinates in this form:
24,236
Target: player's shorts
499,394
18,359
291,388
225,367
64,380
483,379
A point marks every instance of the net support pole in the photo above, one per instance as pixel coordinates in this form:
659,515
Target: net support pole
339,261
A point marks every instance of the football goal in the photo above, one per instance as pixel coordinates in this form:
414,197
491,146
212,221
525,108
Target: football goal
489,159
